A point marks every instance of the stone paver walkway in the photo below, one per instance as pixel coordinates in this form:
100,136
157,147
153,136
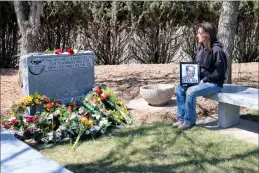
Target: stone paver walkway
245,130
18,157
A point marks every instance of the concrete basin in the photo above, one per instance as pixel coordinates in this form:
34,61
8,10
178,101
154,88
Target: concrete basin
157,94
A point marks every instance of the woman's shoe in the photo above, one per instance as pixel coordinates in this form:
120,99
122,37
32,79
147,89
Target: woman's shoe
176,124
185,126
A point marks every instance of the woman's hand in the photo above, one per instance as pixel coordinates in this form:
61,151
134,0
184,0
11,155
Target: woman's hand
201,82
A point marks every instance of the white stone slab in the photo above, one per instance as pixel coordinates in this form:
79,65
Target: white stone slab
237,95
18,157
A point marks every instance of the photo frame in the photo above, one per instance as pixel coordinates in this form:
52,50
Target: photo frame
189,73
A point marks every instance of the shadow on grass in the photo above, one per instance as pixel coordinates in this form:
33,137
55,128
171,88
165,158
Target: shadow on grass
120,160
243,125
251,116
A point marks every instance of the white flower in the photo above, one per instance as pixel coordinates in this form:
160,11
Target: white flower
10,119
57,112
93,115
103,122
96,128
63,106
87,96
58,134
92,129
98,116
50,116
44,114
87,132
81,110
106,113
50,135
102,131
20,133
73,115
62,127
45,139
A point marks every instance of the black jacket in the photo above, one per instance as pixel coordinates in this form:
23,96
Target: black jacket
213,64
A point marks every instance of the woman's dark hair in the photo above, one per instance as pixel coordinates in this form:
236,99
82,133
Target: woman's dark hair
211,30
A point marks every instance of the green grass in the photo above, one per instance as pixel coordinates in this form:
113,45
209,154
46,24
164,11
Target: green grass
158,148
252,116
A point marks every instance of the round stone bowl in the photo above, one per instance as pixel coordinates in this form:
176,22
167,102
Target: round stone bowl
157,94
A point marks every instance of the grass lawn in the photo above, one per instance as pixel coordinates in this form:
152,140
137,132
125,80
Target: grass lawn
158,148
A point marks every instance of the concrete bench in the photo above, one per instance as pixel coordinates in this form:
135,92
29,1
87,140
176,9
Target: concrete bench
16,156
230,99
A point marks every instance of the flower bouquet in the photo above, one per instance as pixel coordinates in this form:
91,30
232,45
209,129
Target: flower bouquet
58,122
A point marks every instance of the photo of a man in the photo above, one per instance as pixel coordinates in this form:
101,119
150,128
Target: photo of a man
190,75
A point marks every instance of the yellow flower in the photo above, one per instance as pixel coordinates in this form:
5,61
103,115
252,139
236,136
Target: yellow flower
98,99
90,123
37,101
83,120
115,115
25,101
37,96
29,98
13,115
22,100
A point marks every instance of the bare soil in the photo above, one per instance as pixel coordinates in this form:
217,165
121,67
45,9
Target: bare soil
126,79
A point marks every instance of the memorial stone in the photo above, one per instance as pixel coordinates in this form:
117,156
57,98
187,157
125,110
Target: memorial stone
64,77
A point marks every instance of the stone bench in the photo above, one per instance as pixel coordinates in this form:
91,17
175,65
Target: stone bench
16,156
230,99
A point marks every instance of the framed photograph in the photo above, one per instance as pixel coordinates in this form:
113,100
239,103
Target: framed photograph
189,73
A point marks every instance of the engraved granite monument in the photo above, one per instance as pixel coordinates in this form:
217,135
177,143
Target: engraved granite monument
64,77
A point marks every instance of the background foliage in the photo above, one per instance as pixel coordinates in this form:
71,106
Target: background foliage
129,32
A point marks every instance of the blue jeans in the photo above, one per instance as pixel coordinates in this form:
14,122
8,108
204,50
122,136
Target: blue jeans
186,100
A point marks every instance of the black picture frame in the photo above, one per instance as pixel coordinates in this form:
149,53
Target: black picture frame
189,81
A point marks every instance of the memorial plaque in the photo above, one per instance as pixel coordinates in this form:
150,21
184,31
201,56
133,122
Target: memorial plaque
64,77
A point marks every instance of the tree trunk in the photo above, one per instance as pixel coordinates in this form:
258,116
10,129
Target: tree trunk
226,31
29,24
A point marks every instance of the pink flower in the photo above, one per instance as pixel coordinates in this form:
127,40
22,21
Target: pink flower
30,129
15,134
29,119
45,98
12,122
4,125
35,119
26,133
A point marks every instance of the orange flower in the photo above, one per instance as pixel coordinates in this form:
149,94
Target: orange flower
25,102
49,105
